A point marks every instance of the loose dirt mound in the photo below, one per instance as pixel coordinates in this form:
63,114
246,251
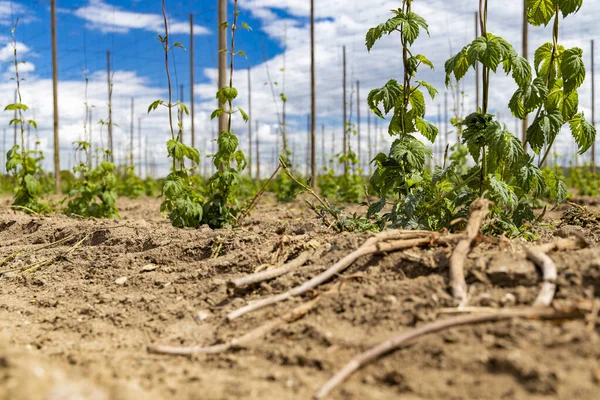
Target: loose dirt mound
89,314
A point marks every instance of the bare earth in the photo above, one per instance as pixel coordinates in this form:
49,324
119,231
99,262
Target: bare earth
69,330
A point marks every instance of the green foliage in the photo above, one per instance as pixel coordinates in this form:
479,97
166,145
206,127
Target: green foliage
94,193
23,164
586,182
131,185
400,173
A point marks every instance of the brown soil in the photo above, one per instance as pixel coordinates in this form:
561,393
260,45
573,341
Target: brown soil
69,330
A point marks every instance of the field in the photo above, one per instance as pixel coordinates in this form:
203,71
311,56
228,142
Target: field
77,326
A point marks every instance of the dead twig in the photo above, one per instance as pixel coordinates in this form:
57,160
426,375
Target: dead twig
478,211
256,197
272,272
21,253
539,257
374,245
254,334
574,312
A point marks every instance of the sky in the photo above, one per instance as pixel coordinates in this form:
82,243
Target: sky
278,60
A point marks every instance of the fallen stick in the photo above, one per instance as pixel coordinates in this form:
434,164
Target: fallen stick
373,245
272,272
478,211
393,344
254,334
539,257
22,253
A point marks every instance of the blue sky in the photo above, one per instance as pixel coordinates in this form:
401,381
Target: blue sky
128,28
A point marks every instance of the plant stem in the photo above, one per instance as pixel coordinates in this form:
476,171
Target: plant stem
166,47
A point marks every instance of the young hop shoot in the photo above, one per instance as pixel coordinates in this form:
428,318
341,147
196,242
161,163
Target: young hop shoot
401,173
503,172
24,164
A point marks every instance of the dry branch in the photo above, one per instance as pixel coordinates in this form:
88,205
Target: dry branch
390,345
259,332
374,245
478,211
272,272
549,272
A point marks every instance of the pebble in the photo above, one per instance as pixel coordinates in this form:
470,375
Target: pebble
149,267
121,281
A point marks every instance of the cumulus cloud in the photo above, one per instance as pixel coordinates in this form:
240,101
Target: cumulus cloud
108,18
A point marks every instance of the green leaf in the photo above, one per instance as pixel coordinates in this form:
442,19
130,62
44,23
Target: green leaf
432,91
244,115
569,6
242,53
391,25
182,107
154,105
217,113
521,71
375,208
583,132
457,65
487,50
246,26
572,69
15,107
226,94
388,95
32,123
542,58
539,12
410,27
417,102
424,60
501,192
545,127
426,129
530,177
177,44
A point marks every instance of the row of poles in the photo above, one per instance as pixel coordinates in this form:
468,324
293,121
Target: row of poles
222,82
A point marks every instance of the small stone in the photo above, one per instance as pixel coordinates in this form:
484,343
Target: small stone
149,267
121,281
202,315
508,300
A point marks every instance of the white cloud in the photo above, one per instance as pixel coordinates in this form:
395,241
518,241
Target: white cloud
108,18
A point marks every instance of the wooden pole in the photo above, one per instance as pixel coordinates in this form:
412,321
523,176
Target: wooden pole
313,101
345,150
525,54
358,123
55,98
192,80
222,19
141,144
4,151
446,131
476,64
110,125
257,152
308,147
593,111
323,159
249,123
146,156
440,141
131,164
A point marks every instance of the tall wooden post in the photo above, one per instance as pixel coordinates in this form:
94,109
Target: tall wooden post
55,97
222,19
358,123
4,151
131,164
525,54
476,64
146,157
323,157
192,80
593,111
249,123
313,100
257,152
345,144
110,123
141,144
446,131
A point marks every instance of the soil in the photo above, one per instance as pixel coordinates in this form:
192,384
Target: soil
78,326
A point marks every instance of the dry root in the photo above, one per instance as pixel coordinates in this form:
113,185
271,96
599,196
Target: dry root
574,312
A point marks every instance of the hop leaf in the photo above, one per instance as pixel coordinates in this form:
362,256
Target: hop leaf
583,132
426,129
430,89
539,12
572,68
457,65
388,95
